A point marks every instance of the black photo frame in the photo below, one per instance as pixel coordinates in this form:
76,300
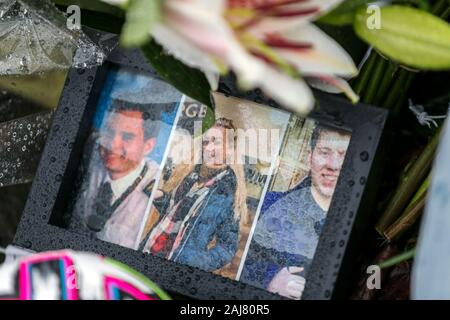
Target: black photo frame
343,228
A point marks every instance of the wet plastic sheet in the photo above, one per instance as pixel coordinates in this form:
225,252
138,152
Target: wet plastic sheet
21,143
34,38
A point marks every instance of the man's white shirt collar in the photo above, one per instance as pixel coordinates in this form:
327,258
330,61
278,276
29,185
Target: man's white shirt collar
119,186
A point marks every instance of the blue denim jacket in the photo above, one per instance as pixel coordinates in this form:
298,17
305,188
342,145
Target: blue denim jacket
215,219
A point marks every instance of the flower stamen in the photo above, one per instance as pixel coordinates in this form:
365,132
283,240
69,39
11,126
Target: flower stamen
293,13
275,41
261,5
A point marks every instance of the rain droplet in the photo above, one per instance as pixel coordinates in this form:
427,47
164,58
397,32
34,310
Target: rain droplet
193,291
364,156
24,64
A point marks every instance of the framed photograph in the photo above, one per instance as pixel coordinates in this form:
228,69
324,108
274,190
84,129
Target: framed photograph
257,204
131,128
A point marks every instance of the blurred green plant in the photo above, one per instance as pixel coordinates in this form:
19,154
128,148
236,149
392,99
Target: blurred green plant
140,17
411,36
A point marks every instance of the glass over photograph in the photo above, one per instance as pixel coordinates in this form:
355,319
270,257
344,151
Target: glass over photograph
131,128
213,184
243,194
295,208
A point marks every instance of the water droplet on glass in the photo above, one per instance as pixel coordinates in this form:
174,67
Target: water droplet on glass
193,291
24,64
364,156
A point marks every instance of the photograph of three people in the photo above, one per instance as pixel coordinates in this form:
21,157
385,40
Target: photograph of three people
246,198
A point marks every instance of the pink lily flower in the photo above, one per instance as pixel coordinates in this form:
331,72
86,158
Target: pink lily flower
270,44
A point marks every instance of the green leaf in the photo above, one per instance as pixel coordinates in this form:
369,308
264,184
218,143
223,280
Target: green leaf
141,16
407,35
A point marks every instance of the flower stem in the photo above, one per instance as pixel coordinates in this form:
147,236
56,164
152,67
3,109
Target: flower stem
399,86
445,14
409,76
390,224
388,78
397,259
439,7
365,74
408,185
406,220
377,75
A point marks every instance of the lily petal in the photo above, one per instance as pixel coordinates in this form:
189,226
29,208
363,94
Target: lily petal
290,16
203,35
214,6
333,85
205,28
213,79
183,50
293,94
324,56
211,34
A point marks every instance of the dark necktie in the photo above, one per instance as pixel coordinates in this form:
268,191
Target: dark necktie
102,207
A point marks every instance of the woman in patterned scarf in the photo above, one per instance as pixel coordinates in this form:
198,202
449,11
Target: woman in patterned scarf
205,207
